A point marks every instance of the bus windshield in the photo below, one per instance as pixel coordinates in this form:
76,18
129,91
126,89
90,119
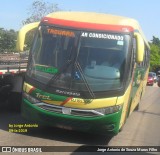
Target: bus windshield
77,60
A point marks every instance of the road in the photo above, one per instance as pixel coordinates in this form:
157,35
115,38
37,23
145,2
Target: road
141,129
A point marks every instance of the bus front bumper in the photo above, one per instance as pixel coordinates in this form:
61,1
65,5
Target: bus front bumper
107,124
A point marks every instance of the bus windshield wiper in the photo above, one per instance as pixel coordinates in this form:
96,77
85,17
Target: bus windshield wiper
56,75
74,64
63,68
84,80
77,65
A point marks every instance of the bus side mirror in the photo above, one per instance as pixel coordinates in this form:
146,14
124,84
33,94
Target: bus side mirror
140,47
22,35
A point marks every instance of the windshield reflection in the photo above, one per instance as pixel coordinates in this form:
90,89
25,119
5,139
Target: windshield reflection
77,60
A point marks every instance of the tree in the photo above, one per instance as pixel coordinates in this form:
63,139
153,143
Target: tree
7,40
156,41
36,12
155,54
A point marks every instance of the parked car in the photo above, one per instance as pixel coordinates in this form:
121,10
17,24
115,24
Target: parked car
158,73
154,76
150,80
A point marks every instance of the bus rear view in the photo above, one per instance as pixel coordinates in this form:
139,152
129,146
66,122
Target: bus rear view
80,72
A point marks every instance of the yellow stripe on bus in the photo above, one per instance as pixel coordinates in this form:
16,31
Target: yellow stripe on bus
27,87
86,103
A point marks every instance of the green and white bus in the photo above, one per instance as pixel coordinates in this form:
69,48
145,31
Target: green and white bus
86,71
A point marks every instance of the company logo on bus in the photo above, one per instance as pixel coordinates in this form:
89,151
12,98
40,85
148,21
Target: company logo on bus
66,110
67,92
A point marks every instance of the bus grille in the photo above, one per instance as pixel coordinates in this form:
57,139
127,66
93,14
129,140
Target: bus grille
71,111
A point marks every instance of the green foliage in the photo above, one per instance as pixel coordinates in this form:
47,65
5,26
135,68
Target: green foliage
155,54
38,9
7,40
29,39
156,41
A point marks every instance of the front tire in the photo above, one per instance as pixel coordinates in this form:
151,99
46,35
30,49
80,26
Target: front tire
14,101
137,107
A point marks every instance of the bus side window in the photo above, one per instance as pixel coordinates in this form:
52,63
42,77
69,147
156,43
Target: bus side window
133,58
134,50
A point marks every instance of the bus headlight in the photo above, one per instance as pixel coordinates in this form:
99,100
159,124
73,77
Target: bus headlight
109,110
30,98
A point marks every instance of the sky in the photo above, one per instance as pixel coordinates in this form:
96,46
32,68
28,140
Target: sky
146,12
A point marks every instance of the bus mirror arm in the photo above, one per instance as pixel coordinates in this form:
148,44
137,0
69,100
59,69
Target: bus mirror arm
140,47
22,35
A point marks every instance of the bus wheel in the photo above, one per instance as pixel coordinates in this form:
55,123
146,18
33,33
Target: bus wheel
137,107
121,129
15,101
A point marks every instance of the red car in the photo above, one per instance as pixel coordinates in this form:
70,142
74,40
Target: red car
150,80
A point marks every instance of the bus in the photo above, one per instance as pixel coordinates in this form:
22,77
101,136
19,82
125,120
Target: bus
86,71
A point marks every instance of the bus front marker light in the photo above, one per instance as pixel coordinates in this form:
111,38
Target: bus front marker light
110,127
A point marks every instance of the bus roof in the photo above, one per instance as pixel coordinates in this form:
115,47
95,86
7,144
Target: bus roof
99,18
